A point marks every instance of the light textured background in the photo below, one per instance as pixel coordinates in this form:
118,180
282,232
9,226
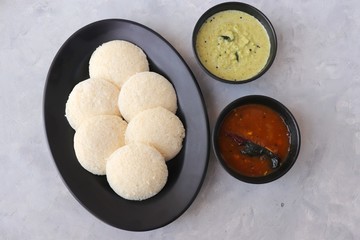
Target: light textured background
315,74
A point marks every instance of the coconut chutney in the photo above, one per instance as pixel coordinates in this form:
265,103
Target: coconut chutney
233,45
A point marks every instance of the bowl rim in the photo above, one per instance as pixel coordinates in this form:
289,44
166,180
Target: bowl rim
241,7
287,116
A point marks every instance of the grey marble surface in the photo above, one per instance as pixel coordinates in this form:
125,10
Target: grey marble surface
315,74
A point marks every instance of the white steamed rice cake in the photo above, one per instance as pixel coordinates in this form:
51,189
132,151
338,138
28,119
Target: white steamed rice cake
159,128
116,61
146,90
136,171
89,98
96,139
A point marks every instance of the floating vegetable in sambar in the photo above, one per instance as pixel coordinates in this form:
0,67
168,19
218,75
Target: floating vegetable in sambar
233,45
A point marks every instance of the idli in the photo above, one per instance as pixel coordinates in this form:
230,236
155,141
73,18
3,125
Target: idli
136,171
116,61
96,139
159,128
89,98
146,90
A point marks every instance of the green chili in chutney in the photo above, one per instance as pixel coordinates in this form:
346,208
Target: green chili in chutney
260,126
233,45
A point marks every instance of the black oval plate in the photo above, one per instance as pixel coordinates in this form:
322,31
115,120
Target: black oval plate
186,171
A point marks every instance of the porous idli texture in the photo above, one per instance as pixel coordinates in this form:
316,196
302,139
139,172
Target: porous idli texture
146,90
159,128
116,61
136,171
89,98
96,139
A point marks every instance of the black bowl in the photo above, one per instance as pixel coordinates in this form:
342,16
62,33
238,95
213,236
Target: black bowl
295,140
247,9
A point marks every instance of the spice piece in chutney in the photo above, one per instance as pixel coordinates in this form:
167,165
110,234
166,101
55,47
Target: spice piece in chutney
232,38
263,128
